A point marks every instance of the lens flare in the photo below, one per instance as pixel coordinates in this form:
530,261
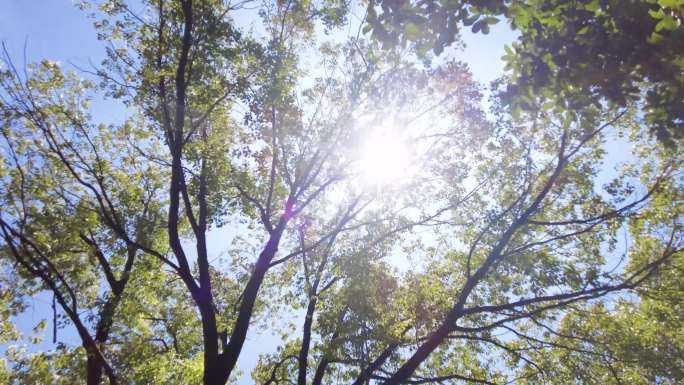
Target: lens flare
384,159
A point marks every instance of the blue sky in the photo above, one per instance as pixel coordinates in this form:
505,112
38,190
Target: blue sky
57,30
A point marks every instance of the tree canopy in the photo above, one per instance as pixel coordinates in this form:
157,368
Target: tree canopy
374,214
575,53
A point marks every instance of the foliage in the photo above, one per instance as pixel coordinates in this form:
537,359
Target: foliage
575,53
636,342
494,255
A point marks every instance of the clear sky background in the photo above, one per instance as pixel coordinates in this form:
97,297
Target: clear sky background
56,30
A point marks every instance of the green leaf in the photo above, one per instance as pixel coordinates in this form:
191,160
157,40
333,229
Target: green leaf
412,31
478,26
592,6
659,14
668,23
670,3
490,20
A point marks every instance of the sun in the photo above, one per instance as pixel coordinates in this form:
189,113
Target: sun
384,159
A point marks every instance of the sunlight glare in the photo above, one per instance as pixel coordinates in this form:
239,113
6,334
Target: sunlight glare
384,159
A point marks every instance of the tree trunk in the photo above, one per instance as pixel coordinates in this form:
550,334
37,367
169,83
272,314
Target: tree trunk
93,369
229,357
210,339
406,370
320,371
306,341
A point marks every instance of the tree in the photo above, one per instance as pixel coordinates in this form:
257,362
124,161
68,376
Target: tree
632,342
50,225
577,53
506,219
